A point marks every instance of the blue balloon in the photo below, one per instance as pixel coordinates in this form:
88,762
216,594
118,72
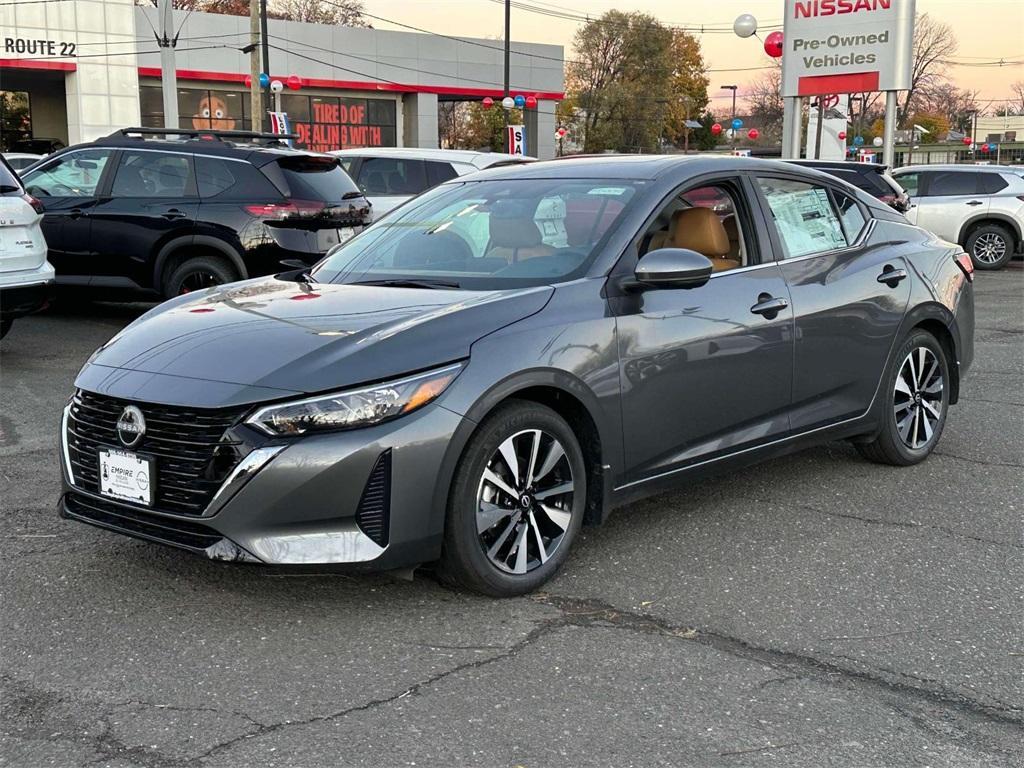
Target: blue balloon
858,140
520,100
264,80
737,124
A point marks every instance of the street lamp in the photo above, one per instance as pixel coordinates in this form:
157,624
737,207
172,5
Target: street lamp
733,89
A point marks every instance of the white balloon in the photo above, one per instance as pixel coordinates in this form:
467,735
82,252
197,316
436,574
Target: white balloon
508,102
745,25
276,86
877,141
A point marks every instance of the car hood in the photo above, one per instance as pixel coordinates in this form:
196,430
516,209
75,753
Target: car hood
274,337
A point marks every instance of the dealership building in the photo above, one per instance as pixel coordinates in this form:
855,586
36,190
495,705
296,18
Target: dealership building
79,69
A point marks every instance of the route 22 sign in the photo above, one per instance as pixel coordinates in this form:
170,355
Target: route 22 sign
516,139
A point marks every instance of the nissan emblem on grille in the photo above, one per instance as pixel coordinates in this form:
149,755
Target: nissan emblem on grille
131,426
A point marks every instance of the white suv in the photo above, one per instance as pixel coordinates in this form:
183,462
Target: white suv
389,176
981,207
26,277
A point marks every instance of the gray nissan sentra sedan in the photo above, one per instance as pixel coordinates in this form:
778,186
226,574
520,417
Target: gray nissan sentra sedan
512,355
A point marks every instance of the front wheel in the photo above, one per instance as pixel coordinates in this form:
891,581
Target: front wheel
990,246
917,400
516,502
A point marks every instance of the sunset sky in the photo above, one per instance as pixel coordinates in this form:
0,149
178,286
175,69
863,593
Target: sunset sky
987,29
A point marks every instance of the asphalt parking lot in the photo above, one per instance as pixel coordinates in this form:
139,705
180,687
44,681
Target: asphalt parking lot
812,611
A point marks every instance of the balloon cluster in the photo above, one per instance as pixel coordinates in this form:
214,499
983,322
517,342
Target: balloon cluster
294,82
520,101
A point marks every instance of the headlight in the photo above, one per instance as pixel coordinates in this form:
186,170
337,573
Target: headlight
354,408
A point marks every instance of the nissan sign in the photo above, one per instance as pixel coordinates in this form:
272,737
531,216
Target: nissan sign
847,46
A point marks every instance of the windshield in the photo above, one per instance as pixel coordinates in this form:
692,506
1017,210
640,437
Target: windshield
486,235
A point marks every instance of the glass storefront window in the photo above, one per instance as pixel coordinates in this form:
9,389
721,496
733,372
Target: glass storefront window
15,117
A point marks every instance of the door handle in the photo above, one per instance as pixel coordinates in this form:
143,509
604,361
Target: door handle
173,214
892,276
975,202
769,306
76,213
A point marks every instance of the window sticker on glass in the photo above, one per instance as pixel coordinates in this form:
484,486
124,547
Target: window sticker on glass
804,217
608,191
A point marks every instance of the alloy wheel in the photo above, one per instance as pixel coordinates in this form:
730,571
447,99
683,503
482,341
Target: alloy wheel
990,248
917,398
196,281
524,501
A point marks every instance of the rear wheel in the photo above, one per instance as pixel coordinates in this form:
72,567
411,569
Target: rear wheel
990,246
198,273
917,393
516,502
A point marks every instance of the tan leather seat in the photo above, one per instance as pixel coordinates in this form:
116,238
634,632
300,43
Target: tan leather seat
658,240
516,238
733,232
700,230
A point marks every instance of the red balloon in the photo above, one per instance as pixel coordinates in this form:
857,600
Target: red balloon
716,129
968,141
984,147
773,45
531,102
842,135
488,102
753,133
248,81
294,82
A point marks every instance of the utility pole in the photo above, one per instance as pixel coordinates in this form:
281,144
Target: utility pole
731,128
166,40
265,38
508,49
255,96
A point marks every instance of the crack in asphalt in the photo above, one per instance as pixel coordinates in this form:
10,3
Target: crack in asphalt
900,524
982,462
587,613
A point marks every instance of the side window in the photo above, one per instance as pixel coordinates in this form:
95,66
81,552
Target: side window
909,182
850,214
151,174
348,163
230,180
707,220
991,183
948,183
439,173
76,174
392,176
803,217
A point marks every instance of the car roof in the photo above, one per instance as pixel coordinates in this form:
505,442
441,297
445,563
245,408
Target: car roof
960,167
239,150
478,159
22,155
639,167
847,164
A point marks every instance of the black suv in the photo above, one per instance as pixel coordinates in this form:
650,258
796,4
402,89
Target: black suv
873,178
172,215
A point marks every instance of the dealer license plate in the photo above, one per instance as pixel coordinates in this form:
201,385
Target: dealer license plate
126,476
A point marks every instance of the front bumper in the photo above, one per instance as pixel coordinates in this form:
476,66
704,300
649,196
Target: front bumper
306,504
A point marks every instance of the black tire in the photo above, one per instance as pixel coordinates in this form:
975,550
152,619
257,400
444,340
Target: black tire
5,327
464,561
198,273
984,244
890,446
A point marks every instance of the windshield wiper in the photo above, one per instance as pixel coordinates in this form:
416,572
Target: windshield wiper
5,188
410,282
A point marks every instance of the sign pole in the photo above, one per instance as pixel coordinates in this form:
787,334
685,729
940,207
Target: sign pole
889,133
820,126
168,71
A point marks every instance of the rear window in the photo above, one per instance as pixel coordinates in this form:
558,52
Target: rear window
439,173
316,178
869,182
230,180
392,176
9,184
992,183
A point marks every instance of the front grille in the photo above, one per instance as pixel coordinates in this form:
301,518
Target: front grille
192,454
375,504
135,522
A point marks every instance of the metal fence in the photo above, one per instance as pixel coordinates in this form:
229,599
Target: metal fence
1003,154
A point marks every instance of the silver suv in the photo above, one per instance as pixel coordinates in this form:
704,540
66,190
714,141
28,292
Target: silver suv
981,207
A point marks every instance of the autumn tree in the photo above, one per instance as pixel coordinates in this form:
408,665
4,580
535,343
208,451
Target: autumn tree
348,13
628,85
934,43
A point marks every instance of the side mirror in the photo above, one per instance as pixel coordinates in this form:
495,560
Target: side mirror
673,268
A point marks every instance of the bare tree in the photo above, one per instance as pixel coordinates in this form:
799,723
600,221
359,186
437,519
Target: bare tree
345,13
934,42
1017,89
957,105
765,103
